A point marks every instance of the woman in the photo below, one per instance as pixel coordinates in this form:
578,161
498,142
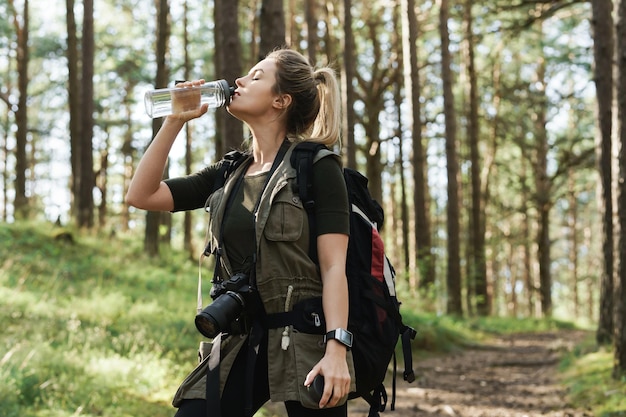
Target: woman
258,227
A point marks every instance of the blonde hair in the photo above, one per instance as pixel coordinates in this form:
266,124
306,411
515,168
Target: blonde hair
315,110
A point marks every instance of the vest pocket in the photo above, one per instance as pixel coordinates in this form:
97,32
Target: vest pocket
286,219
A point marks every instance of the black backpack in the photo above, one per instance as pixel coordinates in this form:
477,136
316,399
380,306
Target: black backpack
374,317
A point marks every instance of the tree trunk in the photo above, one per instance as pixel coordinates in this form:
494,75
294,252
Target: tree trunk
573,227
602,26
477,266
272,26
153,218
398,99
454,304
542,194
228,66
488,167
619,367
128,152
188,216
75,105
20,203
311,29
85,214
348,94
529,277
423,240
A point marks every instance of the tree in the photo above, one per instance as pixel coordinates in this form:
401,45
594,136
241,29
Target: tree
21,113
619,368
423,240
87,182
603,51
347,86
477,277
453,281
228,66
187,227
373,86
272,26
80,91
311,29
154,218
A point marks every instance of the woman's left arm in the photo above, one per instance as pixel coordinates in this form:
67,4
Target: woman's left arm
332,250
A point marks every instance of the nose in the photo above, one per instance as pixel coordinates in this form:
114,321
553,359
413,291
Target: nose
239,82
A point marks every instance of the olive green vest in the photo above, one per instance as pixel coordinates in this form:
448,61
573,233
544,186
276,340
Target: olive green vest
283,267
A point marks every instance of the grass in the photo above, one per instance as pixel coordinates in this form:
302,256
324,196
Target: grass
587,372
93,327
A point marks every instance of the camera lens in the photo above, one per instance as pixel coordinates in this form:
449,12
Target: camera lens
217,316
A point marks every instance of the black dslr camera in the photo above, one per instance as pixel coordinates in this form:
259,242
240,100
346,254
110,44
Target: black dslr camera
230,299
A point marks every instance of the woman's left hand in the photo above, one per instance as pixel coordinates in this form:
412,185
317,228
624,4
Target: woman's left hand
334,368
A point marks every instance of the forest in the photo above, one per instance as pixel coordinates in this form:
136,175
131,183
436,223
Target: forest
491,131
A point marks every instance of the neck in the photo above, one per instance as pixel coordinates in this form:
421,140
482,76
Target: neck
265,146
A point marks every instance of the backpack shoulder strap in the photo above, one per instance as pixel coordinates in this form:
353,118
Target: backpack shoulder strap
227,166
303,156
302,159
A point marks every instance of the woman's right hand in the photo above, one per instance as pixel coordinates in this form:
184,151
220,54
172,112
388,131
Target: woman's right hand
186,102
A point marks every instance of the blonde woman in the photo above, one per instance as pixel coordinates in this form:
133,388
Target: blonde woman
259,229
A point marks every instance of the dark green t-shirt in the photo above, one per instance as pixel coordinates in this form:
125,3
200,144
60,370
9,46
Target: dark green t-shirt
330,195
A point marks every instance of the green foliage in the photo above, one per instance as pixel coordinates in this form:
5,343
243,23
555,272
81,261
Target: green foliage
587,372
92,326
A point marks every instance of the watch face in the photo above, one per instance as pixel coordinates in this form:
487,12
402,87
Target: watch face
344,336
347,338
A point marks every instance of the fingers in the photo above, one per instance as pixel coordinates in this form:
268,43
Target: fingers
193,83
334,391
186,101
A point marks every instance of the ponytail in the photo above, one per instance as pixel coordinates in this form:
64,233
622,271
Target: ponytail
315,111
327,125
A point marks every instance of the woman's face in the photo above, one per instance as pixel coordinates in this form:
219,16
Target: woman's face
254,96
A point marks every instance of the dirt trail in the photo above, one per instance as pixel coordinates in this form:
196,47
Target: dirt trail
512,376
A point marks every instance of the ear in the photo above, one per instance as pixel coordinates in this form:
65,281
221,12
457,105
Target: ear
282,101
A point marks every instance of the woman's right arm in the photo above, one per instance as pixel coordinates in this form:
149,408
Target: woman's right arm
146,190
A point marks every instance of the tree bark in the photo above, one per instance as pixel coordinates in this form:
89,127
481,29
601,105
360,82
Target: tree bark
228,66
188,216
603,51
348,94
477,267
543,203
85,214
412,86
154,218
272,26
311,29
619,368
454,304
20,202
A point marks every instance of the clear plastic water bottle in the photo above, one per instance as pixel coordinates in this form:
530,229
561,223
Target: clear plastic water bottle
166,101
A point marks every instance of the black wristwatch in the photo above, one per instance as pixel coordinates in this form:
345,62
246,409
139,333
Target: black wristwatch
341,335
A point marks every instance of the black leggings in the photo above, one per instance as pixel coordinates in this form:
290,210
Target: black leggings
197,408
232,403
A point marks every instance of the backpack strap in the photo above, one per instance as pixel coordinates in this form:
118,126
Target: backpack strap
229,163
302,158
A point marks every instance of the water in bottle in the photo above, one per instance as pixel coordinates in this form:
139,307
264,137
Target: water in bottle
166,101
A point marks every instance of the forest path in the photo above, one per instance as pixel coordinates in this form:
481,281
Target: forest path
509,376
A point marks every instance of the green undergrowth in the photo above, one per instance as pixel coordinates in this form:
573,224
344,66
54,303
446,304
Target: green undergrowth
91,326
587,372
